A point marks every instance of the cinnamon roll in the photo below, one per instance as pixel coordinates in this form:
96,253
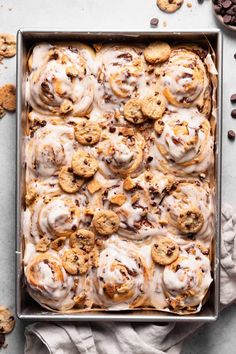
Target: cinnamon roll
48,283
121,75
187,280
49,149
136,203
122,154
121,275
61,79
184,142
185,80
57,216
188,210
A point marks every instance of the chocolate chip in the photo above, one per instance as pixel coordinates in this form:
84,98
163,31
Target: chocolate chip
231,135
74,227
233,113
154,22
112,129
226,4
235,56
149,159
227,19
2,340
217,9
233,98
70,169
200,1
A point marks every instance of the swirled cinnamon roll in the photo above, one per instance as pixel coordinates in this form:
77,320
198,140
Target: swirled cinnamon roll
136,202
48,283
185,80
184,142
187,280
50,148
121,75
122,154
57,216
61,79
189,210
121,275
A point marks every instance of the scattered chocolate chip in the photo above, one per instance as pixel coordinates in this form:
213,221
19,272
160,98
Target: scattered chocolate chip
226,4
233,113
200,1
154,22
2,340
231,135
235,56
233,98
112,129
149,159
227,19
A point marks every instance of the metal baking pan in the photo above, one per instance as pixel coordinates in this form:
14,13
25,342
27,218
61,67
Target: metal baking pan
28,309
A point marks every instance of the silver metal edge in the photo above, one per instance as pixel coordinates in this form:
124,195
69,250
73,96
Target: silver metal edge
18,172
108,316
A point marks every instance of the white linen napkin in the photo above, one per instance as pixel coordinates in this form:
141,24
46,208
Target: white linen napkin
133,338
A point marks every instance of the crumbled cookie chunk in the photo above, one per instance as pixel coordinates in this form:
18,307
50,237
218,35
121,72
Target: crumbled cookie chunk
7,45
58,243
118,199
93,186
83,239
7,321
43,244
8,97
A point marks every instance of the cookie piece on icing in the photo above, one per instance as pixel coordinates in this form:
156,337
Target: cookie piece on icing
106,222
164,251
157,52
84,164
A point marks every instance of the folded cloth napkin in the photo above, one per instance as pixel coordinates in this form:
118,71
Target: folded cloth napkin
133,338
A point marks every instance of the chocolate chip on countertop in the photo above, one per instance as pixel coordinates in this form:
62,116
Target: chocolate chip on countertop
200,1
233,98
227,19
231,135
235,56
217,9
154,22
2,340
233,113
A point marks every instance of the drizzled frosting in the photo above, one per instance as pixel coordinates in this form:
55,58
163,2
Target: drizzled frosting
184,142
121,277
48,281
156,176
61,76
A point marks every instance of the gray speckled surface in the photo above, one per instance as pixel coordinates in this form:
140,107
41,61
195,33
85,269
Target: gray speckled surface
214,338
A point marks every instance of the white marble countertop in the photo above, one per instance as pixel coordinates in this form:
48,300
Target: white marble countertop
214,338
